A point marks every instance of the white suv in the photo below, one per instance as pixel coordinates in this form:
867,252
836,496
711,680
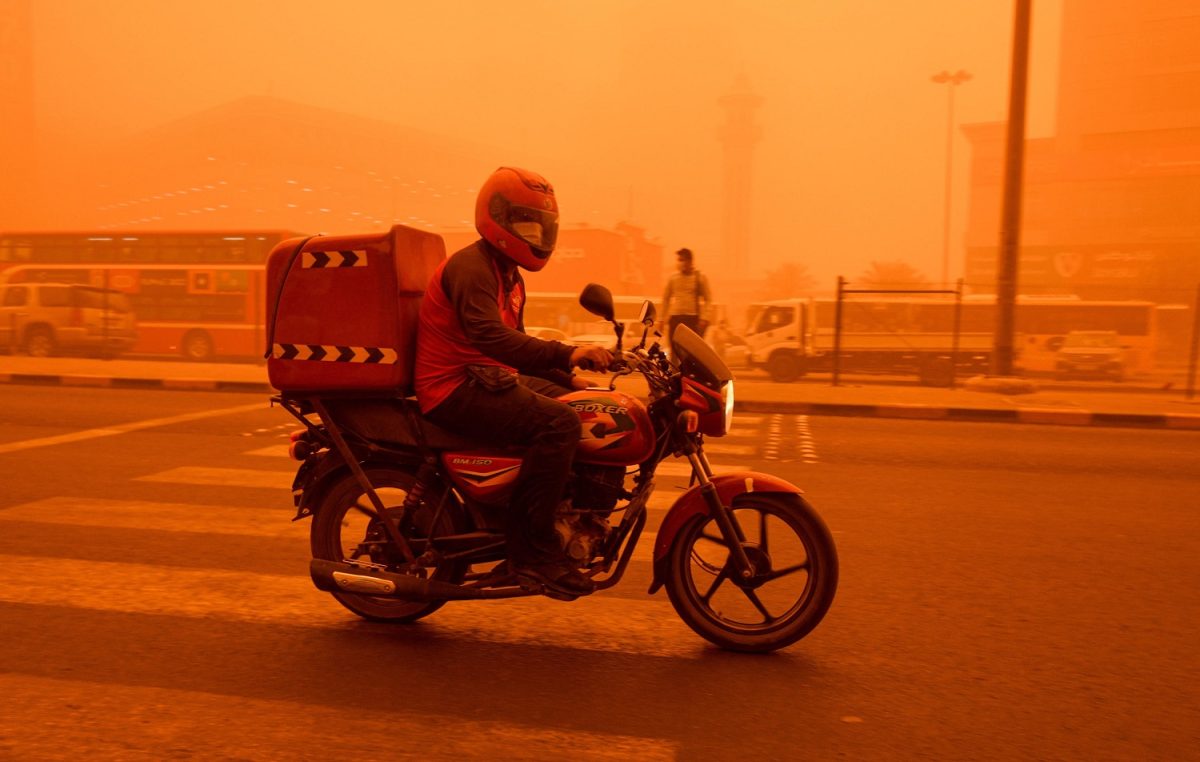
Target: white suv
44,319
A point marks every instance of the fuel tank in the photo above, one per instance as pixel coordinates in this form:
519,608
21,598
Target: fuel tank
616,427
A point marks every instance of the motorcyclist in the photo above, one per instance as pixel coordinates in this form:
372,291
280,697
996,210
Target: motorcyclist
478,374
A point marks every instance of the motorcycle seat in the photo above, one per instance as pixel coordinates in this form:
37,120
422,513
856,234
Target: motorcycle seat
389,420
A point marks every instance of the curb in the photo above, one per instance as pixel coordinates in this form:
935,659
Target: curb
109,382
1044,416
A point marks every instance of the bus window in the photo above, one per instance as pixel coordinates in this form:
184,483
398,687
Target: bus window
101,299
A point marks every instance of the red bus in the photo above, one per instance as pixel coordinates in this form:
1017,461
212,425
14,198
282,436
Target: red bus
196,294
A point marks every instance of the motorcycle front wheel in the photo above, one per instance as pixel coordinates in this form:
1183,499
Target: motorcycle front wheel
347,528
794,575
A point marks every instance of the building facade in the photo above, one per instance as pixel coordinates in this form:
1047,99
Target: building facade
1111,203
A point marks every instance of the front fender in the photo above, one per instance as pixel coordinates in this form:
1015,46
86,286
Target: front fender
691,504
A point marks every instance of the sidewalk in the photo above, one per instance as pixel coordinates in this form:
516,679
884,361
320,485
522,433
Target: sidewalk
1050,404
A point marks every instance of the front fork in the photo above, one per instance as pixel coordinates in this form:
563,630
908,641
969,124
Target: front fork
731,530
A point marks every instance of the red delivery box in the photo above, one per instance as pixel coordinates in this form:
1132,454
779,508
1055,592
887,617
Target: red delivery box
342,311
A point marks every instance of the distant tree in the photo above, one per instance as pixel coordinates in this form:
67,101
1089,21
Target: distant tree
892,274
787,281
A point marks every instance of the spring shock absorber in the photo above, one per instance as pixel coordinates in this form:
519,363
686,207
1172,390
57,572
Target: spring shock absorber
412,502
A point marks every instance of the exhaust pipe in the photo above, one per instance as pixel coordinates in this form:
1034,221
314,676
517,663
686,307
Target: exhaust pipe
342,577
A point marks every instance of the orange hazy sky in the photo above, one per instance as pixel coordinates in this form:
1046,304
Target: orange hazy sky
850,167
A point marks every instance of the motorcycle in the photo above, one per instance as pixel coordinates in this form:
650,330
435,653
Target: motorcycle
408,516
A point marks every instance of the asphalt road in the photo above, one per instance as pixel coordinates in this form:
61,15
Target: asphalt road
1007,592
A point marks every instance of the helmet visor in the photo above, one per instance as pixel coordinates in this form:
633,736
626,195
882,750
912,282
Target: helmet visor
537,227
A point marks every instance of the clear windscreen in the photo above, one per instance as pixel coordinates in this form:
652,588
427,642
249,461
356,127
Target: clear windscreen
698,359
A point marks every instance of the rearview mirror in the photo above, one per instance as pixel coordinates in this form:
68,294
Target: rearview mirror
646,314
597,300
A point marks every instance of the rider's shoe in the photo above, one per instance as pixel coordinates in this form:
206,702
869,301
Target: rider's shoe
557,577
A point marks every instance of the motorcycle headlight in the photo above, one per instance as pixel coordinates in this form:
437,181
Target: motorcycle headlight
727,395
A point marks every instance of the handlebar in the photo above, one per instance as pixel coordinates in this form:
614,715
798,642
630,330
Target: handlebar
637,360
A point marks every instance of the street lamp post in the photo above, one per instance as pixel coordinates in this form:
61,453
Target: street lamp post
950,81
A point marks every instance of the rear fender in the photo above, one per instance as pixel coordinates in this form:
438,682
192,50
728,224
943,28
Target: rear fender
318,473
692,504
313,478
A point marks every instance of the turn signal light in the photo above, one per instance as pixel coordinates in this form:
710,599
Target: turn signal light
295,435
689,421
300,450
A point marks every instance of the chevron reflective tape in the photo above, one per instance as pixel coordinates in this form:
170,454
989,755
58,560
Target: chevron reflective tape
332,353
334,259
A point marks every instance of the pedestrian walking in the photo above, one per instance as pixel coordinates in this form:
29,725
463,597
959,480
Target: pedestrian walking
687,298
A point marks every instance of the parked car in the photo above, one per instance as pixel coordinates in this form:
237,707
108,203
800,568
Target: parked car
45,319
1095,354
544,332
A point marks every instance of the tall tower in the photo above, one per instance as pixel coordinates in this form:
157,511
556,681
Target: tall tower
18,135
739,135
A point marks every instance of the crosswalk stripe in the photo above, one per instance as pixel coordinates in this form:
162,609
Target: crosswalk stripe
614,624
681,467
171,517
274,451
723,447
216,519
250,477
720,448
224,477
55,718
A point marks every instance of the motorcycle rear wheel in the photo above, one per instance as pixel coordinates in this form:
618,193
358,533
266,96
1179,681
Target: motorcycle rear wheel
345,529
795,575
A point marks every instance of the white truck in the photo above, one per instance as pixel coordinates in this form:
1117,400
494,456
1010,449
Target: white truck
791,337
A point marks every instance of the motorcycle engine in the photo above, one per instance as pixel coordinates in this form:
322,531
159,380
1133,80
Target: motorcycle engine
582,522
582,534
597,488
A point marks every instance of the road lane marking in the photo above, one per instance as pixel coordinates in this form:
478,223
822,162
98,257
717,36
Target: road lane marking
601,623
773,438
124,428
808,443
46,717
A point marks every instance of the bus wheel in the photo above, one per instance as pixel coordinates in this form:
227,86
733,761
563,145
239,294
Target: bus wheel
39,341
198,346
784,368
937,371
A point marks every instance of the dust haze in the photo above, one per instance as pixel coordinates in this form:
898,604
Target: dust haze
616,102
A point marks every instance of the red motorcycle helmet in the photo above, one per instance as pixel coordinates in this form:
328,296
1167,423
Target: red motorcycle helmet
517,213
